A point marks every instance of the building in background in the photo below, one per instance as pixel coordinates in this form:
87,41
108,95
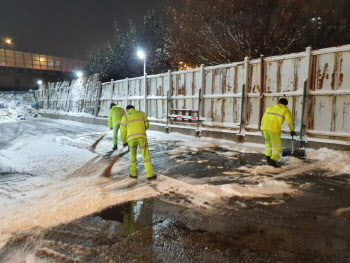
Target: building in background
22,70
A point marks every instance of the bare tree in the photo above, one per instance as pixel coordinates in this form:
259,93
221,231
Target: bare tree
222,31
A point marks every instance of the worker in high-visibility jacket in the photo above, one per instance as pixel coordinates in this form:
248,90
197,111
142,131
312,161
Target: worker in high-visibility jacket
115,115
133,133
271,125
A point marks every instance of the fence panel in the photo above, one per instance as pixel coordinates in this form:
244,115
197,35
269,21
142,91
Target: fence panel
330,95
223,95
118,94
157,89
136,93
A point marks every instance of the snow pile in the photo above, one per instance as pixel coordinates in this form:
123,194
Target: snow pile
16,106
336,161
74,98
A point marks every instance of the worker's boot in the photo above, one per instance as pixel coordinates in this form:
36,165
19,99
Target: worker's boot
273,163
154,177
115,147
268,159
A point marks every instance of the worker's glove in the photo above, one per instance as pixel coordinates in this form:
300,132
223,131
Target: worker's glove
111,128
125,144
292,133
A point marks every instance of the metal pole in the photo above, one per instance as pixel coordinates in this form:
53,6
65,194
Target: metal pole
111,93
126,92
261,95
144,65
202,89
145,93
168,102
198,132
307,83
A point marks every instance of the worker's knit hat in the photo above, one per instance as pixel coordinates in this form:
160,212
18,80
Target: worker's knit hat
283,101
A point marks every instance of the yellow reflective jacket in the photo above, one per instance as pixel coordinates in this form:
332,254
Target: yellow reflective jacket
115,116
134,125
274,117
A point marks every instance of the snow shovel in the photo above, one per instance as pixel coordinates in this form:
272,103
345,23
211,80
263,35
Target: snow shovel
107,171
293,152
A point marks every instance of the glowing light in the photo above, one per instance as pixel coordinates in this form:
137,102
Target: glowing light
141,54
79,74
40,82
8,41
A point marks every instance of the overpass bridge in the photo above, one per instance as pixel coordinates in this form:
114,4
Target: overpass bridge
21,70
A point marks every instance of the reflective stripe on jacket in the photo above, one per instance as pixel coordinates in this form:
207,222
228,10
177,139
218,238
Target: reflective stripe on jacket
115,116
133,125
274,117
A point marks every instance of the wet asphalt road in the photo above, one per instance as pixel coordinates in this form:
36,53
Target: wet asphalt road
171,228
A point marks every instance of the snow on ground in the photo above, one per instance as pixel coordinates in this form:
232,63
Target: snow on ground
206,142
336,161
61,112
16,106
64,180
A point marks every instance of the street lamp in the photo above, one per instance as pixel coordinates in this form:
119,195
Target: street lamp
142,56
40,82
7,41
79,74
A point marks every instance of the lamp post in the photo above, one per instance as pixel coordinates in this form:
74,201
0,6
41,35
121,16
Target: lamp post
142,56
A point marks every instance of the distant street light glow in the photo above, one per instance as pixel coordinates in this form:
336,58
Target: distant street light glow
79,74
40,82
141,54
8,41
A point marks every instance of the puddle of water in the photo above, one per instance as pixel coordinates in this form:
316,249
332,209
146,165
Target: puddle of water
129,212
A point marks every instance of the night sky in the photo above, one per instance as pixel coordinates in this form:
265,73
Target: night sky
67,27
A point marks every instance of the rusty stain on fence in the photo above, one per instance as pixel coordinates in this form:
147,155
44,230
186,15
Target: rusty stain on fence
322,76
341,73
279,75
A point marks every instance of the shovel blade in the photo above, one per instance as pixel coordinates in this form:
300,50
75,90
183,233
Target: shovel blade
296,152
299,153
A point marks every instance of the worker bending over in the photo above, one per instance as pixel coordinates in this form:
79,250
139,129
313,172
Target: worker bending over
133,133
271,125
